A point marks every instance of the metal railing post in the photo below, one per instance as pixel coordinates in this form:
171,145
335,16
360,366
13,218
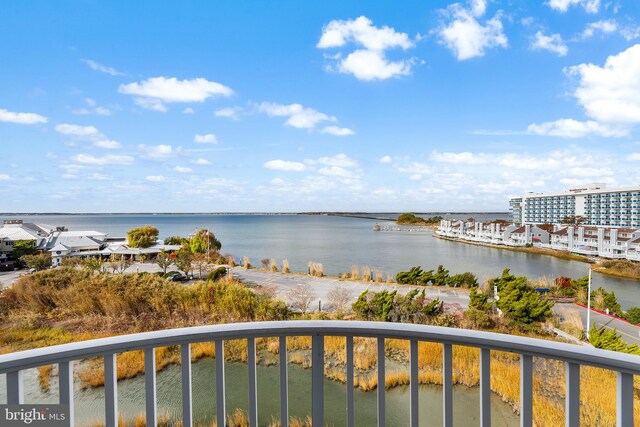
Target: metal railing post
526,390
150,386
185,367
572,395
413,384
110,390
65,388
220,389
284,382
317,380
485,387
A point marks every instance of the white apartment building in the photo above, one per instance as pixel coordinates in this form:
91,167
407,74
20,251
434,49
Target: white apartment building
598,205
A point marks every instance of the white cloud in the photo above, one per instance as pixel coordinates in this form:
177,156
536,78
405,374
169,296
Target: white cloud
415,177
76,130
182,169
297,115
93,109
99,177
340,160
570,128
335,171
188,110
87,133
385,159
232,113
201,162
338,131
155,178
106,143
605,26
205,139
590,6
466,158
21,118
161,151
102,68
611,94
466,37
157,91
151,104
4,177
369,63
552,43
362,31
104,160
282,165
633,156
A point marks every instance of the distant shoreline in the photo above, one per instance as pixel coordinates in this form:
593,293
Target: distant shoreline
330,213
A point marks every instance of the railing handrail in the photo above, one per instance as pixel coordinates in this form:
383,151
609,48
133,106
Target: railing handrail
621,362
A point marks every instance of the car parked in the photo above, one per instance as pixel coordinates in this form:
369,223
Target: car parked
177,277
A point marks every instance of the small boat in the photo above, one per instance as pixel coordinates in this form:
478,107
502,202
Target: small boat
376,227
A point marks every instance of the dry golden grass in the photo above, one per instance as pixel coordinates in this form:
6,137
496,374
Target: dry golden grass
44,375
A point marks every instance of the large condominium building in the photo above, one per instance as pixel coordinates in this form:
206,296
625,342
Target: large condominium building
598,205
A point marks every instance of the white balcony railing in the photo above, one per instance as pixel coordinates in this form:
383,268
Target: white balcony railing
625,365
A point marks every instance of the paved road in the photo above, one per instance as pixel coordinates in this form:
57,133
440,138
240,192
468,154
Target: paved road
630,333
322,285
7,278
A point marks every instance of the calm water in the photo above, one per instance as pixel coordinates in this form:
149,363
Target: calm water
89,404
339,242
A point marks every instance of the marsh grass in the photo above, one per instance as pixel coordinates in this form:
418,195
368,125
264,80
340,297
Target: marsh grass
366,273
285,266
355,272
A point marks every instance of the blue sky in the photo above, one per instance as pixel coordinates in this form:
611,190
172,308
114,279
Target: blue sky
297,106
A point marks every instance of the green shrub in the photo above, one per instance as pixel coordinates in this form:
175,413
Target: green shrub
388,306
170,273
217,274
609,339
518,301
633,315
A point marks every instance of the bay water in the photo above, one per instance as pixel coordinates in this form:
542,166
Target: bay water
339,242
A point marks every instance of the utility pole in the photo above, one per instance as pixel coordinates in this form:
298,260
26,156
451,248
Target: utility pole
589,304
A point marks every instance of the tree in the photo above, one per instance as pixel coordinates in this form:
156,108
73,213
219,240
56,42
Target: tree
23,247
478,300
198,242
119,263
164,261
300,297
519,302
176,240
92,264
142,237
200,264
39,261
183,260
340,297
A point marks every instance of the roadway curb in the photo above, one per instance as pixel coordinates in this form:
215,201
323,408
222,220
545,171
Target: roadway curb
609,315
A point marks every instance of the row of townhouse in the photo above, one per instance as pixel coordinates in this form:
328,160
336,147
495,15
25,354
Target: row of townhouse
612,242
494,233
62,243
615,243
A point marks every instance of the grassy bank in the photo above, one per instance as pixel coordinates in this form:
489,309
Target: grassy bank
619,268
